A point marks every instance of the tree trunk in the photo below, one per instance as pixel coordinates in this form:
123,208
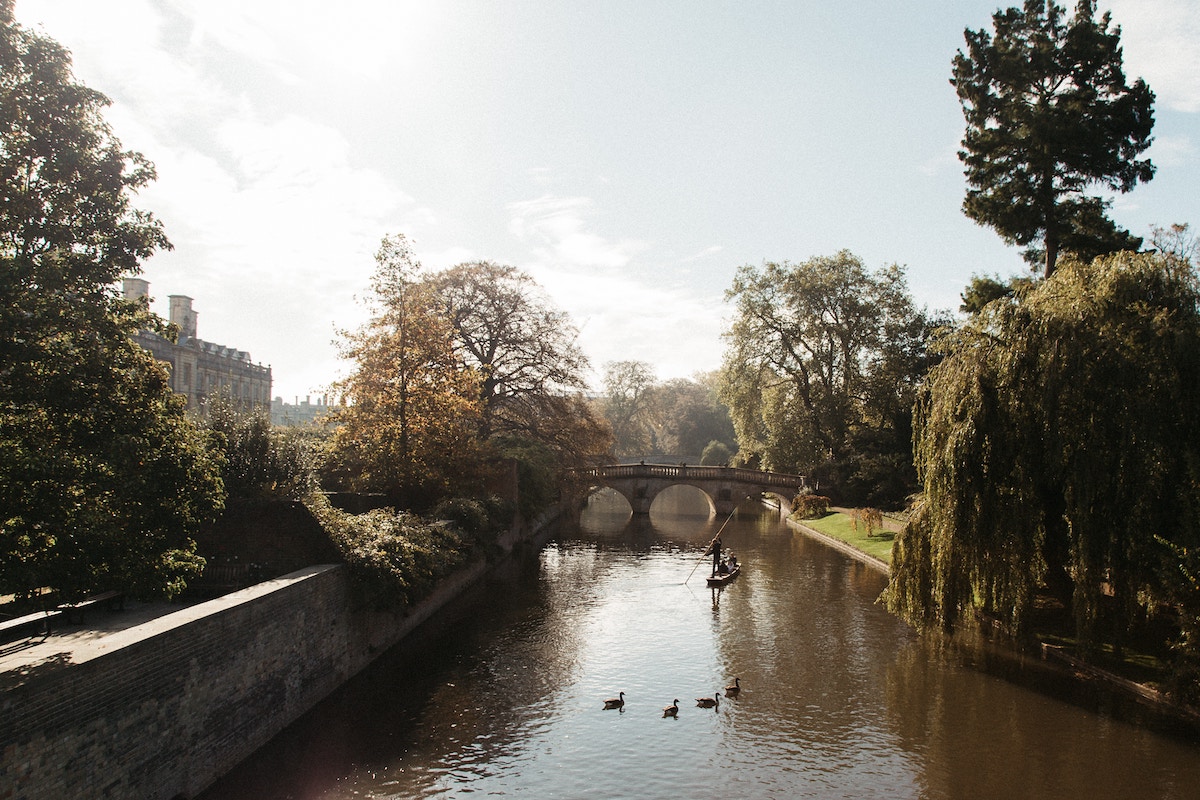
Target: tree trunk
1051,254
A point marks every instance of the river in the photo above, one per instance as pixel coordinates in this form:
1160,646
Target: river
839,699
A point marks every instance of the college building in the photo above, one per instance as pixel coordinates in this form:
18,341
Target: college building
299,414
200,369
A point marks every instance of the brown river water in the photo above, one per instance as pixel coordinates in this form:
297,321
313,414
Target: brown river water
504,697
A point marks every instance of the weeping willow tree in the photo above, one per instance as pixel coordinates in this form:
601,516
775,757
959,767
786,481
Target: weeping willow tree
1058,443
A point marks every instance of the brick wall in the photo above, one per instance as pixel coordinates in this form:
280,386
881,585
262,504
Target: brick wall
162,710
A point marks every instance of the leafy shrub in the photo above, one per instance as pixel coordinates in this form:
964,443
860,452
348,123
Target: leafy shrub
810,506
716,454
395,557
471,516
538,471
260,461
871,519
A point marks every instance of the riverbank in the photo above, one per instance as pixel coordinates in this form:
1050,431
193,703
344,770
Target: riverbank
840,527
1073,679
158,706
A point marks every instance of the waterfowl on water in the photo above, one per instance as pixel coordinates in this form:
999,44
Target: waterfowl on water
733,691
708,702
672,710
615,702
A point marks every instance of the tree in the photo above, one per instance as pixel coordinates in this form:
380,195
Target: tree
1058,449
821,364
1177,244
409,422
689,416
506,329
102,475
1049,115
258,459
628,405
716,454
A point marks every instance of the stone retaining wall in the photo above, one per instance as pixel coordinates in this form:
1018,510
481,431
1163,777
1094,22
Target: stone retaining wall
163,709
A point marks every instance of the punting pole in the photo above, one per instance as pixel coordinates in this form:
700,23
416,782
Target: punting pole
710,544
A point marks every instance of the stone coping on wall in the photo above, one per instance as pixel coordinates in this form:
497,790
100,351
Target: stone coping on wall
106,631
155,627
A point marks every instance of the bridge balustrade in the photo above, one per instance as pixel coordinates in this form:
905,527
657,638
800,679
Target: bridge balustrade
677,471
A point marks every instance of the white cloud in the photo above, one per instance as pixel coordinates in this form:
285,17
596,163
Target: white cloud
556,228
711,250
352,37
1171,151
273,221
450,257
633,318
1161,39
625,312
124,55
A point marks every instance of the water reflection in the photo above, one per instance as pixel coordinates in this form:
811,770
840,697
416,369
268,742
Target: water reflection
839,699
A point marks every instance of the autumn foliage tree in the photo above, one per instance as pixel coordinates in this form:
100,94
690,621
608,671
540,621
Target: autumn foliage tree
507,330
409,421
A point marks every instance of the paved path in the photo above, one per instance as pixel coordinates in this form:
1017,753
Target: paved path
99,623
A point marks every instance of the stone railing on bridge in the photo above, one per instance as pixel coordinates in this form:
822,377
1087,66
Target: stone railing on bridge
741,474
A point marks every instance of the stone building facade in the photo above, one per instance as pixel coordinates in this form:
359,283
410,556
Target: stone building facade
199,369
301,413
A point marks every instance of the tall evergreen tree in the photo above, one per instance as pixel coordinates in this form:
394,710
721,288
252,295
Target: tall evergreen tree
1049,116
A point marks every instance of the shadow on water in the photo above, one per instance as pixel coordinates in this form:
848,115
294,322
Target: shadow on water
378,715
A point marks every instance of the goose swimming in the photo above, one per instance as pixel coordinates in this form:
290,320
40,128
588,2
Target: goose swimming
615,702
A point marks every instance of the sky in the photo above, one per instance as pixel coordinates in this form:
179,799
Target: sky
630,155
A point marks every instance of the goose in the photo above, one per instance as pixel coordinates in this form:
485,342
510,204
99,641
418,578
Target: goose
709,702
615,702
735,690
673,709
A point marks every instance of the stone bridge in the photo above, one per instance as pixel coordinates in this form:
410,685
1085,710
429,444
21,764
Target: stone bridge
725,487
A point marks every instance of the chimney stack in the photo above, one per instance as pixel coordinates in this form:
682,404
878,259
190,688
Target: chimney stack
183,315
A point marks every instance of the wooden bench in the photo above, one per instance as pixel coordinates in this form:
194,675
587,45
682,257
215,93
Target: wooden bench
114,600
28,626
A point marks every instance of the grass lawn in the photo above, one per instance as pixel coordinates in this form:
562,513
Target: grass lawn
840,526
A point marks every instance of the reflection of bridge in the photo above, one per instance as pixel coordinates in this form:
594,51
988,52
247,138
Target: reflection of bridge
724,486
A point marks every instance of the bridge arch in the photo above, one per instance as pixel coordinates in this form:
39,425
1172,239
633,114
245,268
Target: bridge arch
725,487
668,495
